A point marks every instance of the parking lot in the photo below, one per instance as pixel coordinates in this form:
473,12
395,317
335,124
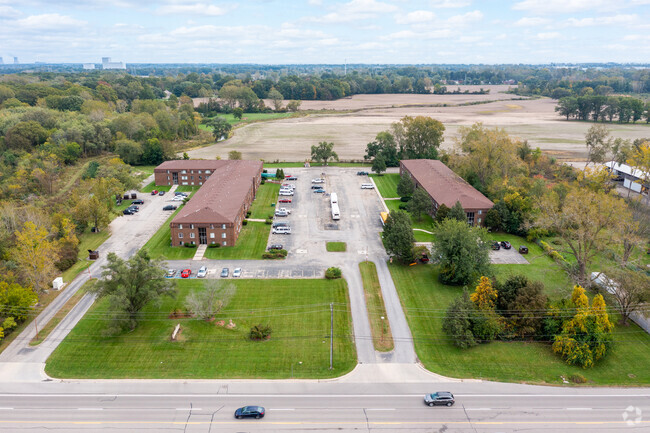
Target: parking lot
507,257
258,269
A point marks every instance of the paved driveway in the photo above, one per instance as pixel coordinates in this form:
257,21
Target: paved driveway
507,257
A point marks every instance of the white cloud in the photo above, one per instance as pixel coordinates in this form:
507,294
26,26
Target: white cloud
469,17
410,34
470,39
545,36
354,10
600,21
49,22
563,6
450,3
415,17
532,22
191,9
8,12
315,2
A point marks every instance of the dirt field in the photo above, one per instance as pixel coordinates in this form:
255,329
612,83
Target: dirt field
291,139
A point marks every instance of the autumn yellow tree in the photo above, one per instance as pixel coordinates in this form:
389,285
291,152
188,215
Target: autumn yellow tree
485,296
487,324
35,253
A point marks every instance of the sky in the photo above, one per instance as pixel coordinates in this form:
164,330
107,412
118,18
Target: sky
324,31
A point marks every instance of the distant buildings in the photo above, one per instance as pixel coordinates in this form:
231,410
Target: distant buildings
107,64
633,178
89,66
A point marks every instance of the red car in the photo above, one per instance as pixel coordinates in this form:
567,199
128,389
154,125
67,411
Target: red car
154,192
284,200
186,273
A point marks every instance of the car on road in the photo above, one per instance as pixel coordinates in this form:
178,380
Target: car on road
236,273
203,271
284,200
441,398
318,180
154,192
319,191
362,173
281,230
169,207
137,201
367,186
289,177
286,193
275,247
496,246
505,245
170,273
186,273
225,272
256,412
161,193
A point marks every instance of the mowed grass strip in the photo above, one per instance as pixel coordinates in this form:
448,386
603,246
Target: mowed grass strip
250,245
87,241
387,184
159,246
425,301
297,310
152,186
382,336
336,247
54,321
265,199
425,222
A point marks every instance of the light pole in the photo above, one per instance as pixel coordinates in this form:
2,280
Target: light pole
299,363
383,328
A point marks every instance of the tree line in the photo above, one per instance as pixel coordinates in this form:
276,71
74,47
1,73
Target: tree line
623,109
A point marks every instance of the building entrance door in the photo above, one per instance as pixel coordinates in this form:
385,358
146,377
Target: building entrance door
175,177
203,237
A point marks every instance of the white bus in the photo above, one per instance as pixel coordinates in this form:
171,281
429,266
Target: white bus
333,198
336,213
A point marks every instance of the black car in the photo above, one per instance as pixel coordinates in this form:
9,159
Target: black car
441,398
250,412
291,178
362,173
316,187
505,245
128,212
280,225
169,207
275,247
496,246
523,249
138,201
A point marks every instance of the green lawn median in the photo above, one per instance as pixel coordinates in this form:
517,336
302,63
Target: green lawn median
382,337
386,184
336,247
298,312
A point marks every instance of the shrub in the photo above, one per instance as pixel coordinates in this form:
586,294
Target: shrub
403,207
333,273
269,221
248,214
244,223
404,199
274,254
189,245
263,181
214,245
260,332
577,378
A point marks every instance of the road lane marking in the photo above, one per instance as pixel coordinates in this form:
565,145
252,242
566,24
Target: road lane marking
370,408
361,423
579,408
283,409
188,408
478,408
90,408
6,408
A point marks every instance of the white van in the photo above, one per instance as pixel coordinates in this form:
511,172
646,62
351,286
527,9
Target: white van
281,230
367,186
286,192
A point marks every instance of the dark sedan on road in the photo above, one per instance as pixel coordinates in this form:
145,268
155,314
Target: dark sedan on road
362,173
137,201
250,412
441,398
275,247
169,207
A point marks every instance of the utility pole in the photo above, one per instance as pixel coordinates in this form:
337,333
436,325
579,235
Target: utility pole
331,334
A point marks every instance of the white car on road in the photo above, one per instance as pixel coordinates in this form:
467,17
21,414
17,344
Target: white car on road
203,271
236,273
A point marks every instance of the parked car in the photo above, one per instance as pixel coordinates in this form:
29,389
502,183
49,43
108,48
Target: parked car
180,193
283,209
286,193
225,272
318,180
290,178
288,185
134,208
154,192
161,193
424,258
203,272
128,211
280,225
362,173
441,398
137,201
186,273
281,213
319,191
523,249
506,245
236,273
367,186
250,412
275,247
178,198
281,230
169,207
316,187
496,246
284,200
170,273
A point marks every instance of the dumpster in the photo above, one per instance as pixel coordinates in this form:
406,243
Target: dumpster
93,255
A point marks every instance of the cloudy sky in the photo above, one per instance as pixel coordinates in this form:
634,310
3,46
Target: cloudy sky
325,31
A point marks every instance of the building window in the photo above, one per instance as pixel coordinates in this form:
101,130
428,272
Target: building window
223,236
480,212
191,177
180,226
167,171
167,177
479,221
211,235
192,235
223,226
470,218
184,183
207,171
200,183
225,243
183,171
191,171
183,177
211,226
182,243
199,172
180,236
192,183
192,226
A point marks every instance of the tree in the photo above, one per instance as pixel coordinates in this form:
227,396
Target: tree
293,105
508,292
420,204
422,137
567,106
485,296
323,152
186,156
379,165
234,155
583,221
238,113
630,290
405,186
129,285
35,255
277,99
25,135
442,213
526,308
464,251
384,145
279,174
206,303
220,128
130,151
458,321
457,213
586,337
16,301
487,324
398,236
599,144
152,152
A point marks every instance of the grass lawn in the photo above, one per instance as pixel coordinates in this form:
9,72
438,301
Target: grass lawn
188,188
424,223
153,186
422,236
425,300
265,199
387,184
159,246
250,245
382,337
297,310
336,247
87,241
143,171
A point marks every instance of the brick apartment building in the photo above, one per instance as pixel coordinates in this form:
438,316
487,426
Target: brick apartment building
446,187
215,212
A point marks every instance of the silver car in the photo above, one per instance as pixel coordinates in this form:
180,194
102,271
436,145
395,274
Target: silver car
203,271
